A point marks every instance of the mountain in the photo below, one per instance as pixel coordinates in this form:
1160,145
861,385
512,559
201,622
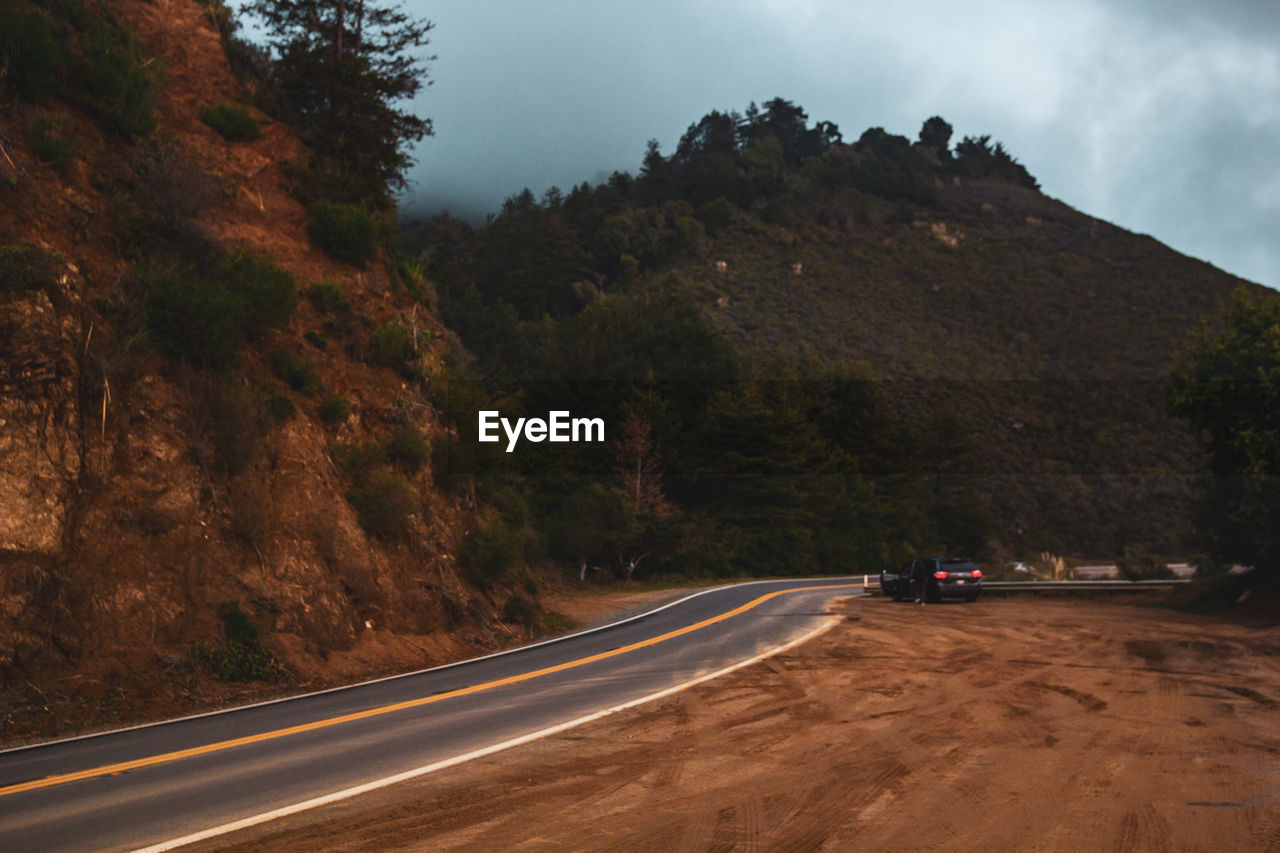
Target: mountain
1032,339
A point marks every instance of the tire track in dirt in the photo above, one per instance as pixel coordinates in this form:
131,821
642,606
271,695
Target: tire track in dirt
1082,725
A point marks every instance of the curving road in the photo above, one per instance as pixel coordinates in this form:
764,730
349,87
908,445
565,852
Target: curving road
158,784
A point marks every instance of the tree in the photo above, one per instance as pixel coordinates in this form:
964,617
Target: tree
936,133
343,68
1227,386
636,464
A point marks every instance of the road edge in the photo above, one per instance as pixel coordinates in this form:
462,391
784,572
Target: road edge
427,769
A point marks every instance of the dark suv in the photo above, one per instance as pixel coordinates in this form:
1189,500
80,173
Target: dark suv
948,576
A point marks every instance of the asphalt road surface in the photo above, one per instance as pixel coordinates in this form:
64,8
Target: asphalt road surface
148,785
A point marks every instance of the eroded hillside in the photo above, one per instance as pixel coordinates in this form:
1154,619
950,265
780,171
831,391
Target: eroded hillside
156,512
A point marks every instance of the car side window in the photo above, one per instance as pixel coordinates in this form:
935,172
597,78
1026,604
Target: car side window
905,571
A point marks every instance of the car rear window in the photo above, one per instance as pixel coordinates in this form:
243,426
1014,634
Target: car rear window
961,566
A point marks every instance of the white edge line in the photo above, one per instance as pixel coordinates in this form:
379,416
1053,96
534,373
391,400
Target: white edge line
451,665
325,800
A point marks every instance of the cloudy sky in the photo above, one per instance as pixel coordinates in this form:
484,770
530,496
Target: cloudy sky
1162,116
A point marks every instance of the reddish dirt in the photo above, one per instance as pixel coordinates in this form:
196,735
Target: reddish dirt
1007,724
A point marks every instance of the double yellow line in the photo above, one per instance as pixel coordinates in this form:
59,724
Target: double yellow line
164,758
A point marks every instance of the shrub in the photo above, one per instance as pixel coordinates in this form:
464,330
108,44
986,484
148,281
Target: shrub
1144,567
392,345
49,145
521,611
358,461
27,267
334,409
344,232
384,503
267,292
242,656
328,298
409,446
31,58
487,553
276,409
196,320
114,83
232,122
296,372
317,339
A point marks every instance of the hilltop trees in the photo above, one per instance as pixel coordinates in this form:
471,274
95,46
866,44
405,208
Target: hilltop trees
343,68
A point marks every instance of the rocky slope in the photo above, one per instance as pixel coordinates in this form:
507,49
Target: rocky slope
138,495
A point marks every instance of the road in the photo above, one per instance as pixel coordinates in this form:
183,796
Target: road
148,785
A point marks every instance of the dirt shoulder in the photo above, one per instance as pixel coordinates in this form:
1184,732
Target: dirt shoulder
1017,723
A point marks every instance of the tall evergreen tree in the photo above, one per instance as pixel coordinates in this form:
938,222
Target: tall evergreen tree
345,68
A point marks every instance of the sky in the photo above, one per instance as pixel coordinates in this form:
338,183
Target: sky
1161,116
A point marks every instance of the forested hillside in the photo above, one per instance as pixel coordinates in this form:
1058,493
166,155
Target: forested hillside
840,351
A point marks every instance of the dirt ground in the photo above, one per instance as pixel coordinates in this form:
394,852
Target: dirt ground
1007,724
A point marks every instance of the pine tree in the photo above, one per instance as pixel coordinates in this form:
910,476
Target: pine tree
344,68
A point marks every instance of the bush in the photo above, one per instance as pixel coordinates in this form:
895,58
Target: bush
27,267
344,232
392,345
232,122
328,298
521,611
487,553
317,339
31,57
358,461
296,372
334,409
409,446
196,320
114,83
1207,566
268,293
1144,567
242,656
276,409
49,145
384,503
206,321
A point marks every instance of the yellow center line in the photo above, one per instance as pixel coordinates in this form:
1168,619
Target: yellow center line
164,758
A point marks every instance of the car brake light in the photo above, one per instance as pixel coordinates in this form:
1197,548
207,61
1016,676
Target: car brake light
940,575
977,573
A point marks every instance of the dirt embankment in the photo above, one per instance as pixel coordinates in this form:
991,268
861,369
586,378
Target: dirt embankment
1007,724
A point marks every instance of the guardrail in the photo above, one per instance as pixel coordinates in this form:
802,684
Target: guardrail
1006,587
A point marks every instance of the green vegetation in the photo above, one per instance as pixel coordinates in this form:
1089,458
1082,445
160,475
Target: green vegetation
342,79
27,267
346,233
334,409
297,372
392,345
488,553
1227,386
384,503
49,144
792,317
241,656
329,298
409,447
232,122
206,318
1143,567
61,49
